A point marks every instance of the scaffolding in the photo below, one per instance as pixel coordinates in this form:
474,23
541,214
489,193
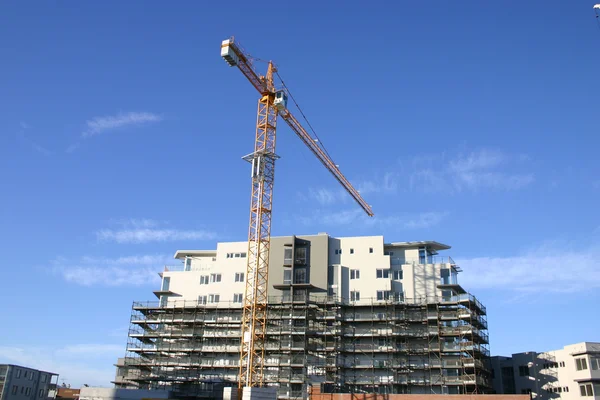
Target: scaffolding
373,346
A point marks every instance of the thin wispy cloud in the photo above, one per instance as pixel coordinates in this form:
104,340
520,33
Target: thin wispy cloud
152,235
358,218
30,142
554,267
136,270
148,230
98,125
383,183
472,171
77,363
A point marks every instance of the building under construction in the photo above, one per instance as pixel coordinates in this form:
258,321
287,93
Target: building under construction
352,315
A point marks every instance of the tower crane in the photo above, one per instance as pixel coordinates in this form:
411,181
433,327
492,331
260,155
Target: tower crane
271,104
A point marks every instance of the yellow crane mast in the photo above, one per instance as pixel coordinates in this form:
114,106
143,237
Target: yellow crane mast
271,103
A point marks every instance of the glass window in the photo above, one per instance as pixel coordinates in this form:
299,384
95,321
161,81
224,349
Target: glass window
202,299
301,256
166,283
239,277
354,274
397,275
188,264
523,370
15,389
287,276
581,364
237,297
354,296
383,273
351,251
300,275
43,378
215,277
18,373
370,250
287,256
204,279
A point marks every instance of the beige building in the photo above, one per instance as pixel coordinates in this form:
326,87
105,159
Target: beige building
351,314
569,373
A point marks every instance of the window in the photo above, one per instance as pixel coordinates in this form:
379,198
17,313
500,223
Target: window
300,275
383,295
397,275
239,277
566,389
581,364
27,391
383,273
301,256
560,390
586,389
25,374
18,373
287,256
595,363
287,277
215,277
523,370
354,296
166,283
204,280
354,274
237,297
351,251
188,264
43,378
22,389
562,363
15,389
214,298
370,250
31,376
202,299
41,393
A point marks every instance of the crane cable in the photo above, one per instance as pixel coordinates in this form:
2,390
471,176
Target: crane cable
304,116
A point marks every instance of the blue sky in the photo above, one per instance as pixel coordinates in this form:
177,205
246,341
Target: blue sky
470,123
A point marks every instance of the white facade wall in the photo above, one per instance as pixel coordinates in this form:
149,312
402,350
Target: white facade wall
356,261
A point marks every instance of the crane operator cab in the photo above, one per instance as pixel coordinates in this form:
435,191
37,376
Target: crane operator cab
280,100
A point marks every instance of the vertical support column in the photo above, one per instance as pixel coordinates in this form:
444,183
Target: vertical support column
254,315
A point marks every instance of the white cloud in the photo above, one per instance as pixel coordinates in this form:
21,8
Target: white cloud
121,271
146,230
99,125
482,169
34,145
145,235
76,364
357,217
554,267
386,183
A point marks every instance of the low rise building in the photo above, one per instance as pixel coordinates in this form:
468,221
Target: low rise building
572,372
22,383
